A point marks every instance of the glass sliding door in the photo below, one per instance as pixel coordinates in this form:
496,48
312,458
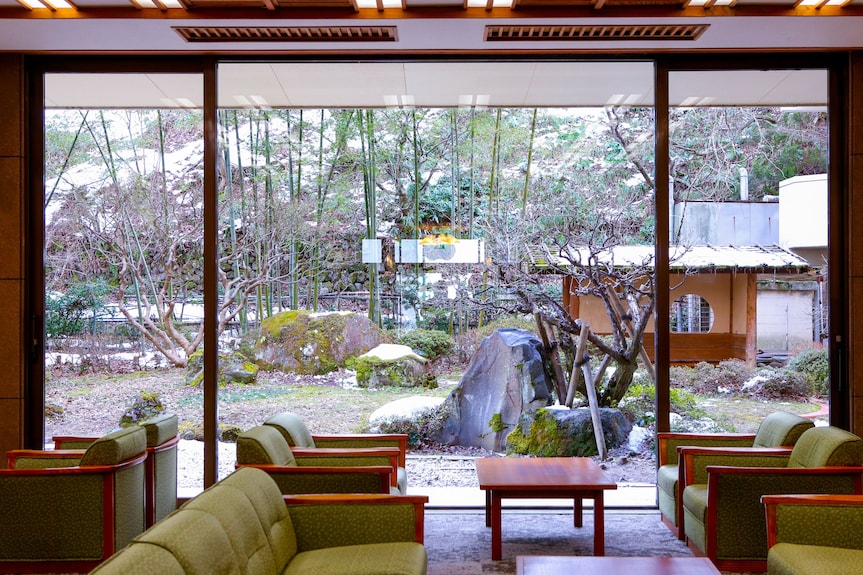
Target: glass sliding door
748,244
123,231
434,196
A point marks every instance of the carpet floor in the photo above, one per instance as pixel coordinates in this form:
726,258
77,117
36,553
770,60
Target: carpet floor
459,543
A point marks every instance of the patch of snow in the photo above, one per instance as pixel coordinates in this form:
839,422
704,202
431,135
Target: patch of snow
638,437
393,351
326,313
404,409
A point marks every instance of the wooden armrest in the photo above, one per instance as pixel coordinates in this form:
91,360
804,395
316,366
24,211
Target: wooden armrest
689,455
835,470
345,451
310,453
400,438
663,438
59,440
812,499
76,470
15,454
379,469
387,474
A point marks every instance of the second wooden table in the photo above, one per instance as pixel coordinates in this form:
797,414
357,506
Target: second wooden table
577,478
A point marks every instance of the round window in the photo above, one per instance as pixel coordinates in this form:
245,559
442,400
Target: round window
690,313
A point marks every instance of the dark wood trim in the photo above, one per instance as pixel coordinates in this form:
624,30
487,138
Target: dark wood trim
211,280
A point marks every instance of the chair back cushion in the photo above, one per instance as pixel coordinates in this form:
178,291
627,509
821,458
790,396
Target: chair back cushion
781,428
292,428
264,445
265,497
197,541
826,446
116,447
160,429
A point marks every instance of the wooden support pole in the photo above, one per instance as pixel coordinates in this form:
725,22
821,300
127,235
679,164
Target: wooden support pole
554,356
582,361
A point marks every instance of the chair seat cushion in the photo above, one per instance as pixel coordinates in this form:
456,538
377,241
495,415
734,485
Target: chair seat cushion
666,479
794,559
695,500
401,558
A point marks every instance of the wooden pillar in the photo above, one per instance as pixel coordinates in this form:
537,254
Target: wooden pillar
751,320
852,219
12,194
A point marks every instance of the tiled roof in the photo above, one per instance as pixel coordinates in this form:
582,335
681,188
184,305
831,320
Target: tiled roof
761,259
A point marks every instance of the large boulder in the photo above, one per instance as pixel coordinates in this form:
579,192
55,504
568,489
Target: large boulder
566,432
505,377
314,343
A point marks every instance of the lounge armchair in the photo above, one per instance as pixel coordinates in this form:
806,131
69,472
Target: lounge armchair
814,534
161,465
70,518
311,471
297,434
724,517
243,525
776,430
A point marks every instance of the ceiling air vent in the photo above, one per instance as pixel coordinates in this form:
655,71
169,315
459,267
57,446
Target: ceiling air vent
594,32
287,33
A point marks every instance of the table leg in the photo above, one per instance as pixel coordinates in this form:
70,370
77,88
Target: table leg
495,526
598,525
488,507
577,512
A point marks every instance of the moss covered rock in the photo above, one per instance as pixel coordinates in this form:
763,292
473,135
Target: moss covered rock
566,432
234,367
315,343
392,365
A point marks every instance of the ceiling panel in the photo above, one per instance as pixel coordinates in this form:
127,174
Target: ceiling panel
441,84
123,90
749,88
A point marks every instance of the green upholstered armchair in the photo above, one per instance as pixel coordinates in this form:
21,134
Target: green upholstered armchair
776,430
814,534
265,448
724,517
160,467
70,518
297,434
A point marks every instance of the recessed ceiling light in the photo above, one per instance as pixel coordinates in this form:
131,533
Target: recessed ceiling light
488,4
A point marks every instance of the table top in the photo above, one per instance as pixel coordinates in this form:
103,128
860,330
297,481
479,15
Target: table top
541,473
547,565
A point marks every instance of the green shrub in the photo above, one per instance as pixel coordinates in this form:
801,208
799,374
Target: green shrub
705,378
814,365
779,383
77,310
431,343
639,404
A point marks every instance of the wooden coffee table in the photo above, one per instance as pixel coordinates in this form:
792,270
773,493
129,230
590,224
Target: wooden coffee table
577,478
541,565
